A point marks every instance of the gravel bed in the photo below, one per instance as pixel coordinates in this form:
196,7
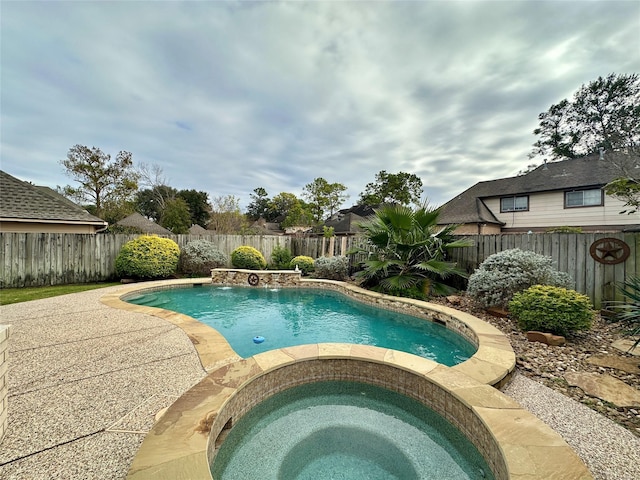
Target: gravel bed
609,450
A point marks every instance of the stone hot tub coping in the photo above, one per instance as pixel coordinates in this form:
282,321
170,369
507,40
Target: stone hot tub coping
514,442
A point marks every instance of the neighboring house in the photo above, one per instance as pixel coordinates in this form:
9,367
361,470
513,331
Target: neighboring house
196,229
27,208
348,220
267,228
567,193
144,225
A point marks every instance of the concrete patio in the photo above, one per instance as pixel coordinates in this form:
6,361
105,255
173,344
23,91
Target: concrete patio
86,381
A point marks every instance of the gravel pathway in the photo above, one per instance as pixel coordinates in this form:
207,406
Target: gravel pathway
86,380
610,451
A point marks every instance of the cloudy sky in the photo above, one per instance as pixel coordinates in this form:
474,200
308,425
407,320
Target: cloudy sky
226,97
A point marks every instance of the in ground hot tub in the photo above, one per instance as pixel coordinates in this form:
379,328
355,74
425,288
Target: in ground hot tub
345,430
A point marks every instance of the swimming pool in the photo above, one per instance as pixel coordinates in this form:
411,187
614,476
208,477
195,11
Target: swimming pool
295,316
345,430
183,441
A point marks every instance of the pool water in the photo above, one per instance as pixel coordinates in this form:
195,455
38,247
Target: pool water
288,317
347,431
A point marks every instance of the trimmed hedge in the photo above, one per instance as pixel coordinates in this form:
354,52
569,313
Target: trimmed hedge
249,258
552,309
148,256
303,262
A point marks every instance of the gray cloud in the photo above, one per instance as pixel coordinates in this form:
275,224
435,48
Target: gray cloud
227,97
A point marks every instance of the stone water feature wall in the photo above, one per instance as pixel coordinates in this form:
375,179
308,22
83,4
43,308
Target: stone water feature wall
256,278
4,382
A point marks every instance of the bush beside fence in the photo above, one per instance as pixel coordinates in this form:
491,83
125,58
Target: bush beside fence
38,259
570,252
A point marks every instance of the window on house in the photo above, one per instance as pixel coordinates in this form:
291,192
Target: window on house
514,204
583,198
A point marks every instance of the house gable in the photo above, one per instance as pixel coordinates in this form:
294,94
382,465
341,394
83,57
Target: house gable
543,192
136,220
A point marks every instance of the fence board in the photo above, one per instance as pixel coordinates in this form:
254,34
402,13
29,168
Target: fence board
50,259
569,251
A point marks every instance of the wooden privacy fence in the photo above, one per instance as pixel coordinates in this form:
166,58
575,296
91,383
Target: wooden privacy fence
571,254
39,259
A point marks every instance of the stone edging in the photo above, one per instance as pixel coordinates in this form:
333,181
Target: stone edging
515,443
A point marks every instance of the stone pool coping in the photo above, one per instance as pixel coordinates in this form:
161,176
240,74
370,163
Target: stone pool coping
177,445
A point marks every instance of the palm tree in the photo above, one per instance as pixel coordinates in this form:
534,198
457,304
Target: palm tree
407,251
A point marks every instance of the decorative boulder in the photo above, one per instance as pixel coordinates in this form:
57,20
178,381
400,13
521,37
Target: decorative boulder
548,338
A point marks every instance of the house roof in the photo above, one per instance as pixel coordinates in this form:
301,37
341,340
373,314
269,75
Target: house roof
269,228
591,171
144,224
20,201
348,223
347,219
197,230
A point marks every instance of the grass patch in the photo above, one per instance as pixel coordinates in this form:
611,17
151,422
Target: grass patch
17,295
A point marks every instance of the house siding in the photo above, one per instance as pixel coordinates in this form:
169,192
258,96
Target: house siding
546,210
41,227
476,229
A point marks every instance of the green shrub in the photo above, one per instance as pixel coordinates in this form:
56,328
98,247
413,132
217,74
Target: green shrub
419,291
332,268
552,309
303,262
505,273
200,256
280,258
248,257
148,256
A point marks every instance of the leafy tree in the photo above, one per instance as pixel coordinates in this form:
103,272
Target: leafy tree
199,208
225,215
259,206
626,187
401,188
290,210
101,179
113,212
408,251
176,216
152,202
298,214
280,205
604,113
323,196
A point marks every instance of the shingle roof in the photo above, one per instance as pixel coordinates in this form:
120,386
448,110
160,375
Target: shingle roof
22,201
144,224
198,230
468,207
347,223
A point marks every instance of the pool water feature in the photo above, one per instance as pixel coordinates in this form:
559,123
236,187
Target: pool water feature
345,430
295,316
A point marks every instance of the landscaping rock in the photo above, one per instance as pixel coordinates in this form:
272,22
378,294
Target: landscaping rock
605,387
548,365
626,364
548,338
497,312
625,344
454,300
